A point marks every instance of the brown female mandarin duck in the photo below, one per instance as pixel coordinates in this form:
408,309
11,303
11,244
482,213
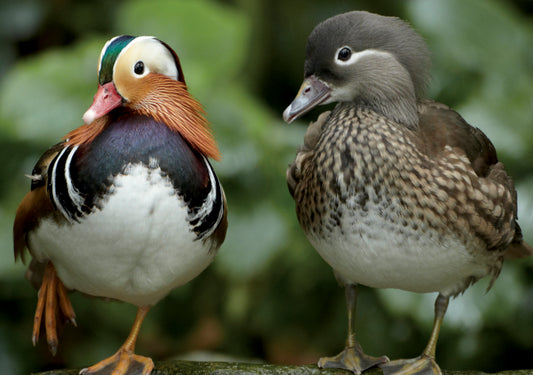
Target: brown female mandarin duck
394,191
126,207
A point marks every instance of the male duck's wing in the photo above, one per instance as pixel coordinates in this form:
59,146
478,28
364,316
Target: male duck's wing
36,204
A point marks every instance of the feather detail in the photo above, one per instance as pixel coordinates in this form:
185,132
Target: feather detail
169,102
35,205
86,133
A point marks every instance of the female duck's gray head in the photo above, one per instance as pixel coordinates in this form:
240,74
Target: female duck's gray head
371,60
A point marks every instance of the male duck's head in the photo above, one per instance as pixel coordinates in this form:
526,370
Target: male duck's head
372,60
142,75
126,71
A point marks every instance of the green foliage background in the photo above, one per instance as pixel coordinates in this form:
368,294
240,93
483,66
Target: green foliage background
268,295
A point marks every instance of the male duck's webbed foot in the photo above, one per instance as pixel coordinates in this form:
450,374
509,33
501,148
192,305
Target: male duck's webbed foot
125,361
121,363
52,300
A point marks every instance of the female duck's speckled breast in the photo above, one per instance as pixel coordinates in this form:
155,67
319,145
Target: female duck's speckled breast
362,204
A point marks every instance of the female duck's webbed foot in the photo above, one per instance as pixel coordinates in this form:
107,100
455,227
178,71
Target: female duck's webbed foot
425,364
352,357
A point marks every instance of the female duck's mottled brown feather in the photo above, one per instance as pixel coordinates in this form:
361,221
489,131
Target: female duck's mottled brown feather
440,126
441,131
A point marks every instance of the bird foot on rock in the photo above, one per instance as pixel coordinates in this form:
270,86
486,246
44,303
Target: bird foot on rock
121,363
352,359
423,365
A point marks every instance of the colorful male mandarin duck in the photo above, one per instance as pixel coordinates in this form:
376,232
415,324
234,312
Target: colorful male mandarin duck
392,190
126,207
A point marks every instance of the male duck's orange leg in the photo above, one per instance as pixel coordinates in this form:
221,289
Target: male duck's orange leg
125,359
51,295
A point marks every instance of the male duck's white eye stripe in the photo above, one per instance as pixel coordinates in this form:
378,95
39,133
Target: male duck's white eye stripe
137,40
155,56
127,47
356,56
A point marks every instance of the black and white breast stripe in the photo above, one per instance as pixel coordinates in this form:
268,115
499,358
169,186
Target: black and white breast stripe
206,218
65,196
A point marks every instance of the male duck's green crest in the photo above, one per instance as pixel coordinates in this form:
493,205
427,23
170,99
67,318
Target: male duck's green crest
109,55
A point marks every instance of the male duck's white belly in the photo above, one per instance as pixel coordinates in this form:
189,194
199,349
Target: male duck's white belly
372,251
136,249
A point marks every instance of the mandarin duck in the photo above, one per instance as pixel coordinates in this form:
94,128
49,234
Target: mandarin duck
394,190
127,206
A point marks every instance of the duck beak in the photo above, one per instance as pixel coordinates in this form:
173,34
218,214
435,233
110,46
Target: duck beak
312,93
106,99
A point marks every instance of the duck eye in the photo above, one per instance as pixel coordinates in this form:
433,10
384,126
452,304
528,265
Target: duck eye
344,54
139,68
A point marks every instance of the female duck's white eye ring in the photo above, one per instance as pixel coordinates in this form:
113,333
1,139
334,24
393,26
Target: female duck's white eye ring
344,54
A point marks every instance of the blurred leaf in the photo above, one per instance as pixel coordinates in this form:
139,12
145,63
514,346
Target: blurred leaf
44,97
490,40
19,19
251,243
525,208
210,38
